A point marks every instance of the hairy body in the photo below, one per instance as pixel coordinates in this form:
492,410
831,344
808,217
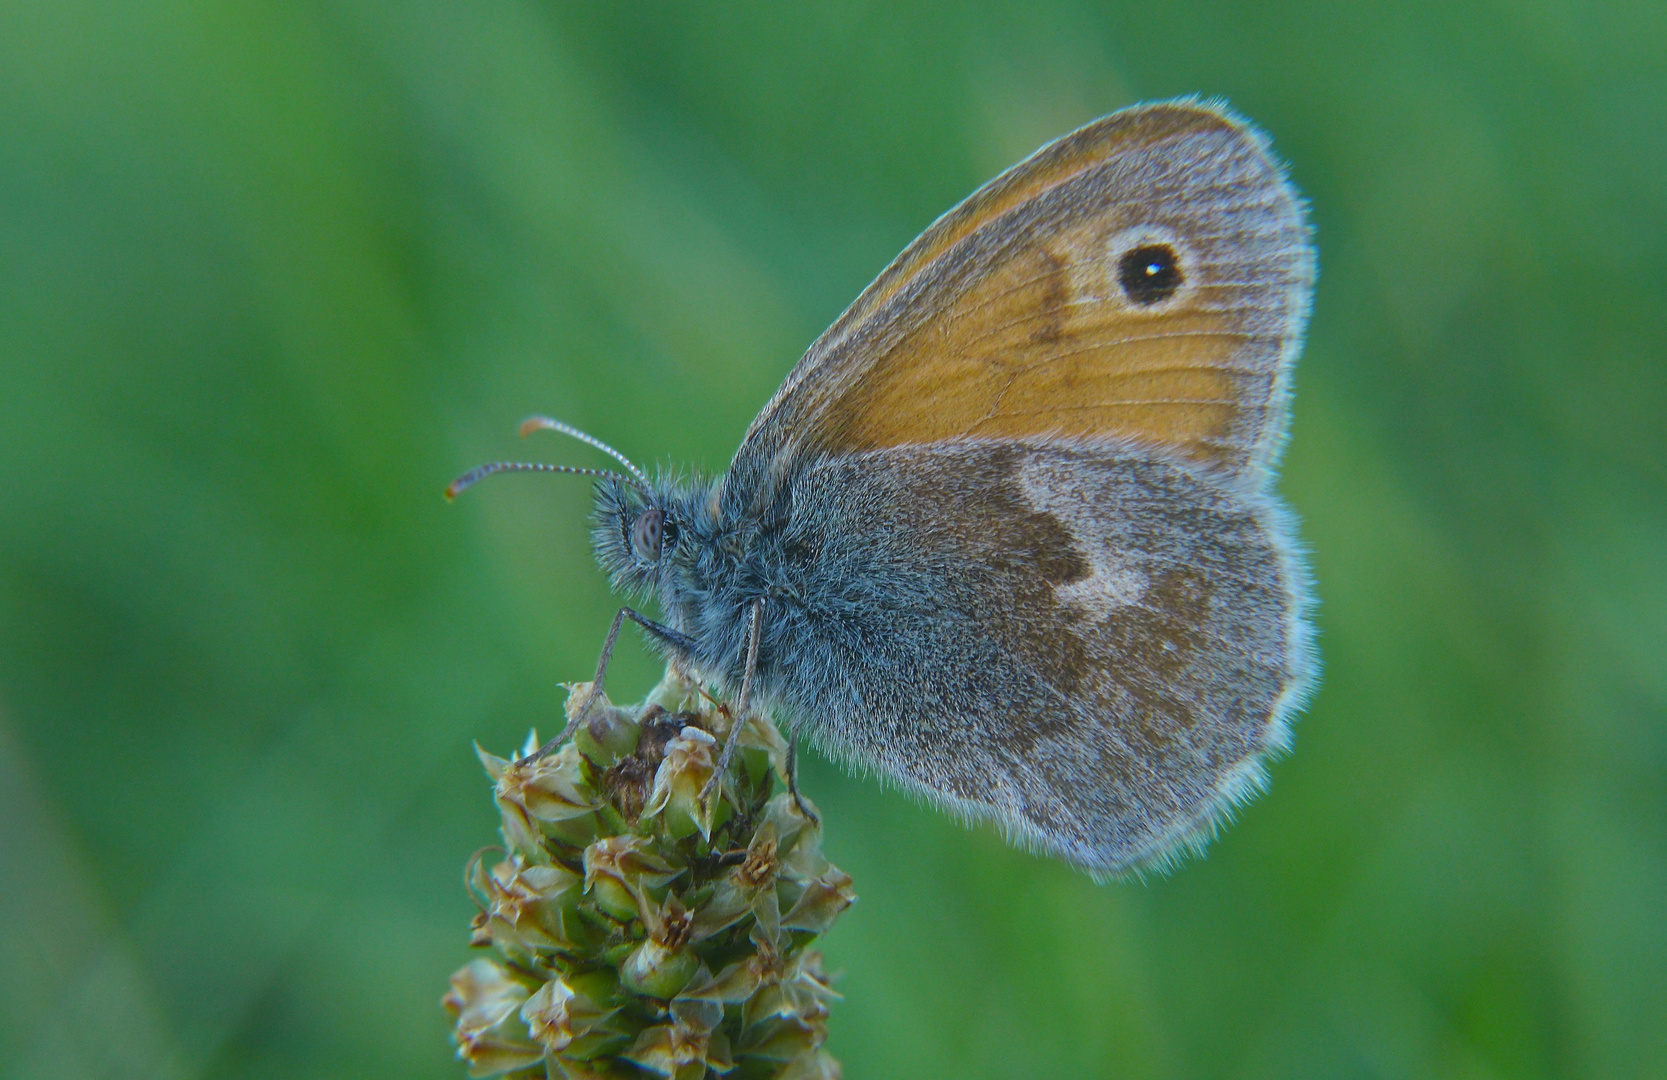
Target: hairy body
947,617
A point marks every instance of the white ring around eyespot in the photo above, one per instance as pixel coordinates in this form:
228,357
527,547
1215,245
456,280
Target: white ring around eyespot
1120,243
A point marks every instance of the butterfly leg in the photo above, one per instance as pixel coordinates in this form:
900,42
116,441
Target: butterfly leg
665,633
682,642
755,625
793,779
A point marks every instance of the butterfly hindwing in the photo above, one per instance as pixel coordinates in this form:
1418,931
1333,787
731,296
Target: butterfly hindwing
1092,646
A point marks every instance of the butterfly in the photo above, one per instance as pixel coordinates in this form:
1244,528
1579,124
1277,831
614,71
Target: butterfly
1007,534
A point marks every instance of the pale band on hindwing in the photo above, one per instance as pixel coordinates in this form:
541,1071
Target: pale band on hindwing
1090,645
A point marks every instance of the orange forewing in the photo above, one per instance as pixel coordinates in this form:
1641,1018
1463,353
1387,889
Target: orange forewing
1021,353
1006,318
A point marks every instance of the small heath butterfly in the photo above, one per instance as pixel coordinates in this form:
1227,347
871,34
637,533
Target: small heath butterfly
1007,535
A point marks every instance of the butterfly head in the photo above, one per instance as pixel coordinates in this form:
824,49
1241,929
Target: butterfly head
642,533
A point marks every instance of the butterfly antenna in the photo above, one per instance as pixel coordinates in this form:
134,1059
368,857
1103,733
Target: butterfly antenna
544,423
479,473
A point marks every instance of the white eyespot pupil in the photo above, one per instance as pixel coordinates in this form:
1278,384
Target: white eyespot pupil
1150,273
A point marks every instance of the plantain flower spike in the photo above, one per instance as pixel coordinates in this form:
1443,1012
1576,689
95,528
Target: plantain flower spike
630,928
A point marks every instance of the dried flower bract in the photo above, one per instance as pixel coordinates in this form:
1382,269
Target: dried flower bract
633,929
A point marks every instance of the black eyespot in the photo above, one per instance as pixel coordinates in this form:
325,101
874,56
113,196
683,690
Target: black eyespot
648,533
1149,274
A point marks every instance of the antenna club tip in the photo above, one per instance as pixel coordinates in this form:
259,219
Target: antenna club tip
535,423
468,479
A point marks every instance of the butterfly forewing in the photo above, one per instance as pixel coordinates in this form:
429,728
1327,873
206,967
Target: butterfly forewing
1143,279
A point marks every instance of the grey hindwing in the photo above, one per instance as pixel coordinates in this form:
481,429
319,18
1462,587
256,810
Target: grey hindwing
1091,645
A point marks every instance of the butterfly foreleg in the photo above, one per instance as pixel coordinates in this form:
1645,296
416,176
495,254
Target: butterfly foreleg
793,779
755,626
665,633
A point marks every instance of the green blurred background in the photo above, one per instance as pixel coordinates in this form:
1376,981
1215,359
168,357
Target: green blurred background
272,273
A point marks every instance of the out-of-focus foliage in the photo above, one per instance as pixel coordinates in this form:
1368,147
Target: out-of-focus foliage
272,273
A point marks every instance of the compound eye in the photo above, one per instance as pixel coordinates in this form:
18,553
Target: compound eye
648,533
